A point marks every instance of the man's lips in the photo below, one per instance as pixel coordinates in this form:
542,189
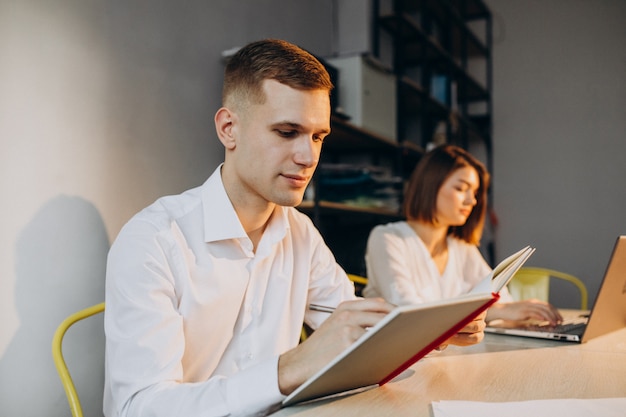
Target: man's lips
297,180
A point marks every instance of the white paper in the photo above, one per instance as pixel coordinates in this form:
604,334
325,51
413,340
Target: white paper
605,407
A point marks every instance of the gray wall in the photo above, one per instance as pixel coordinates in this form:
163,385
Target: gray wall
560,132
105,106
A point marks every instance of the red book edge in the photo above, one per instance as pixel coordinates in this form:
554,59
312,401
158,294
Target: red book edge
438,341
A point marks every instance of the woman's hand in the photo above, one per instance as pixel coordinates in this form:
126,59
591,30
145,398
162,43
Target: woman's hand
525,310
471,334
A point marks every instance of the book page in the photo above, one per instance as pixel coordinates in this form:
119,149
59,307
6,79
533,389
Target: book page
503,272
508,261
503,276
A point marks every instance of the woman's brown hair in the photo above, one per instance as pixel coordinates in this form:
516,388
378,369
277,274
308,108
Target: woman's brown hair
420,200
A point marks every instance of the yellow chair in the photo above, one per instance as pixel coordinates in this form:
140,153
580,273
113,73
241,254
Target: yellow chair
359,283
531,282
59,361
357,279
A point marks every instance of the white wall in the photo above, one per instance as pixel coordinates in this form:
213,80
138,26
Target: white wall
108,104
105,106
560,132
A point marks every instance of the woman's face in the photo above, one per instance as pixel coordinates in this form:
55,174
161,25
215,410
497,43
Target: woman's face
457,197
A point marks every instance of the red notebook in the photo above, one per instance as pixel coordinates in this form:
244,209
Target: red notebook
403,337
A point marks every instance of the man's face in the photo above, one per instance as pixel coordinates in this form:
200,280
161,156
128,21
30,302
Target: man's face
279,143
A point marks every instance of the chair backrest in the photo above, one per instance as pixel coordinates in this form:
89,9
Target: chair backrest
359,283
532,282
59,360
357,279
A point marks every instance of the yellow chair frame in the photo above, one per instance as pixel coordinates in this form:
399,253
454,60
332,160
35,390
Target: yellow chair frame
59,361
533,282
357,279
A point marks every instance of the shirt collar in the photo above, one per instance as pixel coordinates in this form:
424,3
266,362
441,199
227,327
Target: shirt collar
220,219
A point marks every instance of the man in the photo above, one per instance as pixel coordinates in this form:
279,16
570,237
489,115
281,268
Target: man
207,291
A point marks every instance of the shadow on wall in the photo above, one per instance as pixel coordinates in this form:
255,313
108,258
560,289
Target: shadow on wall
60,268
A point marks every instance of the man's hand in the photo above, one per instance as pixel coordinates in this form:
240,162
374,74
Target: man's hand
471,334
345,325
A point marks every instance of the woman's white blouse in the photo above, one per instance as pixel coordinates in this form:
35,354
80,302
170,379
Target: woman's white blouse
401,270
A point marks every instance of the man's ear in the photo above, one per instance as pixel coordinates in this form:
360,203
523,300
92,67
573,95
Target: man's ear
224,126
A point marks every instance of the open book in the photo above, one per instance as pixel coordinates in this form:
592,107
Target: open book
404,336
503,272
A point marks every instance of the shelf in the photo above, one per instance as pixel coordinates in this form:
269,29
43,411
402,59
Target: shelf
411,149
345,136
408,29
446,9
471,9
418,48
431,46
473,129
457,13
414,99
333,207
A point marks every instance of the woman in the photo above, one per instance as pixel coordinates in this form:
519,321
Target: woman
434,254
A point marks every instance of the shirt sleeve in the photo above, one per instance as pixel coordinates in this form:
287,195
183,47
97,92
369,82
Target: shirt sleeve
388,271
475,268
145,343
252,392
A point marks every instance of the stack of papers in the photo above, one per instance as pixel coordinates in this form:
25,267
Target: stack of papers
605,407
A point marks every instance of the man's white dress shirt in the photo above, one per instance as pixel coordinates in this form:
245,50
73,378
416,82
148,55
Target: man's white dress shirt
195,320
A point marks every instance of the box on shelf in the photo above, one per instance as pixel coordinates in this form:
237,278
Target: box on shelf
367,94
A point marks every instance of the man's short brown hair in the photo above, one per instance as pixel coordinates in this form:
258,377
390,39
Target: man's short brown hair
271,59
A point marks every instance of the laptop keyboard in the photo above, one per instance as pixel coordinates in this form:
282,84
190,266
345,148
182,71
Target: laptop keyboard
569,327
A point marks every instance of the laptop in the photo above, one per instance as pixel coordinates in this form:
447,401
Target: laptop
607,314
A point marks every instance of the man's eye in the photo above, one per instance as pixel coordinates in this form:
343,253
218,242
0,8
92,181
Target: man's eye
318,138
286,133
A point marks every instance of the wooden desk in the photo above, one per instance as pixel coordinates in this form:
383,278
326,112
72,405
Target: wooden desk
501,368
